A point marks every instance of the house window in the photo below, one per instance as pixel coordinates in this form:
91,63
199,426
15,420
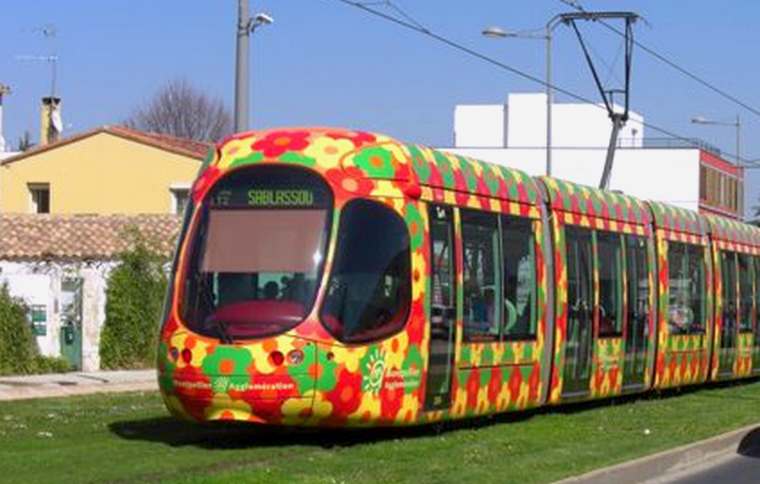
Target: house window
39,196
180,197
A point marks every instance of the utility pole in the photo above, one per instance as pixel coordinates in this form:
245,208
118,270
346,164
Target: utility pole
241,68
246,25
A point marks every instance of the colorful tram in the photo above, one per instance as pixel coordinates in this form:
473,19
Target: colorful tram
327,277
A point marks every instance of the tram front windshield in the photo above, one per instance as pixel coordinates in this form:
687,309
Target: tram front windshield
257,253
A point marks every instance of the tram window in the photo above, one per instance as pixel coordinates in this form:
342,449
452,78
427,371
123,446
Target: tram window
610,256
256,253
480,242
728,279
745,292
687,285
519,248
369,292
638,279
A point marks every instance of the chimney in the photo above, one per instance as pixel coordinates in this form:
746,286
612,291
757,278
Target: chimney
50,120
3,91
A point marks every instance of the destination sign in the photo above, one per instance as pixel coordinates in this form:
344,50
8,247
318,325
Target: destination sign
270,188
280,198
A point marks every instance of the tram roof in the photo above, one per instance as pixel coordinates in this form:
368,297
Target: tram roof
374,156
587,201
733,231
440,169
676,219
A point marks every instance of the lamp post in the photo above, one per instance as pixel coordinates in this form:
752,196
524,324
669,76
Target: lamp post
736,124
499,33
245,27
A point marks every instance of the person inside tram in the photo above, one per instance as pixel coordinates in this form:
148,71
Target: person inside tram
271,290
482,312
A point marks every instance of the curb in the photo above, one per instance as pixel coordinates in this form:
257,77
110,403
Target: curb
58,390
43,392
656,466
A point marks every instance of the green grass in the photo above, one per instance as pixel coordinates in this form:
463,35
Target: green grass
130,438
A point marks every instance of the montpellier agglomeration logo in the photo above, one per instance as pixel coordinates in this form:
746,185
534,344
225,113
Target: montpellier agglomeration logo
372,380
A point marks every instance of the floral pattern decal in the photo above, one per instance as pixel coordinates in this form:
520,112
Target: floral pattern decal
305,377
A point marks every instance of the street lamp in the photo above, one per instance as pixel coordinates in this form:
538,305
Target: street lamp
246,26
736,124
496,32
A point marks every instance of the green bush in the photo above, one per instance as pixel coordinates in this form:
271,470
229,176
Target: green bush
17,345
134,298
51,364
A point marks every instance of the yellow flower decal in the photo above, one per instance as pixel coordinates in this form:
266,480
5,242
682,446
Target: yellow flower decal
328,151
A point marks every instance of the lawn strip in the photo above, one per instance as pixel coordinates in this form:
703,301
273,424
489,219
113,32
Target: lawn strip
129,438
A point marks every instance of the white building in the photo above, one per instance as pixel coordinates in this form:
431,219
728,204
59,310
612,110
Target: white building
514,134
59,266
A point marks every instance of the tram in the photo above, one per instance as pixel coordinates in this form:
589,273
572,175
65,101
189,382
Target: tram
329,277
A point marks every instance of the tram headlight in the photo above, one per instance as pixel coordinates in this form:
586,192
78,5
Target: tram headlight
277,358
295,357
187,356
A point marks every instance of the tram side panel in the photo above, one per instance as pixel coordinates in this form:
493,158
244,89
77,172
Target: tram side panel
501,357
685,292
735,246
604,295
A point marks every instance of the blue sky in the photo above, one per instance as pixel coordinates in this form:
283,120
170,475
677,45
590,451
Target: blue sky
329,64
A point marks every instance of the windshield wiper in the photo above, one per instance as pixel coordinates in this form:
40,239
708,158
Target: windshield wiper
219,325
221,328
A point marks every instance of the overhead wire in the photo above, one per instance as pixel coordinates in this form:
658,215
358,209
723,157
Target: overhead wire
413,25
670,63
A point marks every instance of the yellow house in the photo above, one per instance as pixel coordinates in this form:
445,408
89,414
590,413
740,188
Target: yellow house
108,170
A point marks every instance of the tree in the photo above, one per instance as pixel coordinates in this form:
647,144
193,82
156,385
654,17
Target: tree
179,109
17,345
24,142
134,297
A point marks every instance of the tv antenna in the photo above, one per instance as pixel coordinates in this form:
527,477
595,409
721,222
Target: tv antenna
49,31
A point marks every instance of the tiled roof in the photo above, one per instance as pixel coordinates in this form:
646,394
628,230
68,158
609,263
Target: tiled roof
27,237
193,148
181,146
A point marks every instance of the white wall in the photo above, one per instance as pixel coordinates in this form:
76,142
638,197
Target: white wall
573,124
666,175
526,120
40,283
479,125
586,125
35,289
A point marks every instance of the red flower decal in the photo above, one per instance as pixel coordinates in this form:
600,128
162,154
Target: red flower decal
278,142
350,179
358,138
346,396
204,182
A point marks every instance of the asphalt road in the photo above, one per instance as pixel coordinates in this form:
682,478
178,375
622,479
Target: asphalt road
740,467
736,469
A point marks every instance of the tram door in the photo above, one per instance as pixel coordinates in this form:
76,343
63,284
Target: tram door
442,309
727,351
579,344
637,334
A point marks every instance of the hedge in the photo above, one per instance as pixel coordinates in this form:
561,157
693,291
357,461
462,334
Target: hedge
134,299
17,344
